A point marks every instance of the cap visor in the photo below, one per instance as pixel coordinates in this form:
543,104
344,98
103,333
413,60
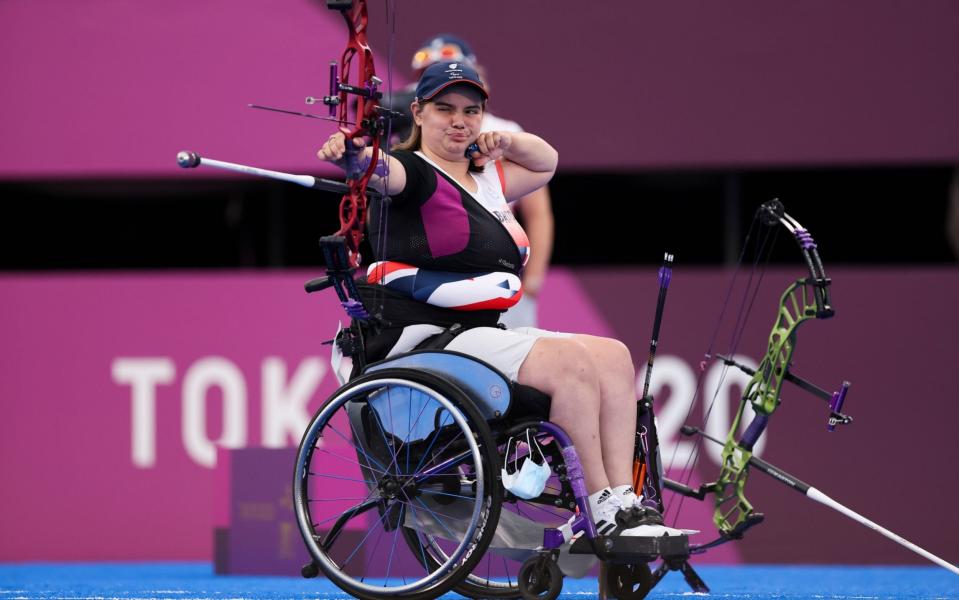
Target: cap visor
457,82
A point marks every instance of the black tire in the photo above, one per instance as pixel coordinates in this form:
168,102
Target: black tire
629,582
540,579
309,570
396,492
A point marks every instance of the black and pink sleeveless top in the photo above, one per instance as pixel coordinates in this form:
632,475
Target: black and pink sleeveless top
436,224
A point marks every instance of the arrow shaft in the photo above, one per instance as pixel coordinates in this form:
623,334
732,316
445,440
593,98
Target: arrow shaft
822,498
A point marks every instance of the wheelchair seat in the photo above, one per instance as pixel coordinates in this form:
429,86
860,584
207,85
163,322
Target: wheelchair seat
494,394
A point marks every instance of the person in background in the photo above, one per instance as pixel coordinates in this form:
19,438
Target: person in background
534,209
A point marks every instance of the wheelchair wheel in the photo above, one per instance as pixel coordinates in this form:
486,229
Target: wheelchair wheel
540,579
520,531
395,457
629,582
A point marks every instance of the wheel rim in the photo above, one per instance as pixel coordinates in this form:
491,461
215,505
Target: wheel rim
396,472
497,575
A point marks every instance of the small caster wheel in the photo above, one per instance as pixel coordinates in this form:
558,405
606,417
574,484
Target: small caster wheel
540,578
310,570
629,582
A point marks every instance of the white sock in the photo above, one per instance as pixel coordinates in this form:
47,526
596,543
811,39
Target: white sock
627,495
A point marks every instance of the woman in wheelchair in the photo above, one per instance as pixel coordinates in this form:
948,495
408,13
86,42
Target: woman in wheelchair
449,213
448,239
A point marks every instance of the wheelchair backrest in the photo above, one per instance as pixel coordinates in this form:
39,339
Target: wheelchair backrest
488,388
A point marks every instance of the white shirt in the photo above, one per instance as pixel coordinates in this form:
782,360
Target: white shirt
493,123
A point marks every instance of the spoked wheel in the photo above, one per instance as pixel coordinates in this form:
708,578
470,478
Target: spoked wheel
392,458
521,524
540,578
629,582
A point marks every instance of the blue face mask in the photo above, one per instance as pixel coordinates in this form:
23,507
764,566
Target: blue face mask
528,481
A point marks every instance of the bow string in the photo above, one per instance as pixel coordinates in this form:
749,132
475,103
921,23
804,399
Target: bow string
805,299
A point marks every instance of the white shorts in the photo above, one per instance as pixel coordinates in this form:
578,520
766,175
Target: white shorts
503,349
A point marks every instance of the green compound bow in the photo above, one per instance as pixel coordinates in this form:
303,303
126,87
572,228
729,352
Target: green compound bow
805,299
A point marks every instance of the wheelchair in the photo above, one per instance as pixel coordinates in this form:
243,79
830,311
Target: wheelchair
398,493
417,439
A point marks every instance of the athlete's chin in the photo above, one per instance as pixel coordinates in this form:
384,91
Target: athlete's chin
457,148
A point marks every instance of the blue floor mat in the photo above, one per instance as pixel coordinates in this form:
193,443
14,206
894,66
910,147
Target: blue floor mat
196,581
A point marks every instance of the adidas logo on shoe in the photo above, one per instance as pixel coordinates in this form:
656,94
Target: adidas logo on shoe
607,506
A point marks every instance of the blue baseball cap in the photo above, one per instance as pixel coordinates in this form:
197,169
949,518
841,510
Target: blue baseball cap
444,47
439,76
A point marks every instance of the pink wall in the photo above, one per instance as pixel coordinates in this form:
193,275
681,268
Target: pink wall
115,88
237,361
651,84
68,438
108,89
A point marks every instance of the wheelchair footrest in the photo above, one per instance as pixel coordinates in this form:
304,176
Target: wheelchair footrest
634,549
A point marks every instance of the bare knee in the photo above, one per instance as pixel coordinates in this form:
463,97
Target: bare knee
622,361
612,358
617,355
562,367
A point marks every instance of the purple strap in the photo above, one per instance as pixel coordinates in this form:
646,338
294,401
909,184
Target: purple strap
805,239
355,309
382,168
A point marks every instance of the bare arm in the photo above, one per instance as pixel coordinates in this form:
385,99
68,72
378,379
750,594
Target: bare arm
537,211
529,162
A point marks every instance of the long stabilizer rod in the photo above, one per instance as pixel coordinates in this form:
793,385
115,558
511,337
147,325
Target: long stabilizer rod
190,160
822,498
814,494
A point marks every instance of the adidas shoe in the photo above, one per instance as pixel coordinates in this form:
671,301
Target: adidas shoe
613,518
605,512
644,517
644,521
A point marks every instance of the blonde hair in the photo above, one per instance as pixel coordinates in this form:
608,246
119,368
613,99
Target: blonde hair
413,140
